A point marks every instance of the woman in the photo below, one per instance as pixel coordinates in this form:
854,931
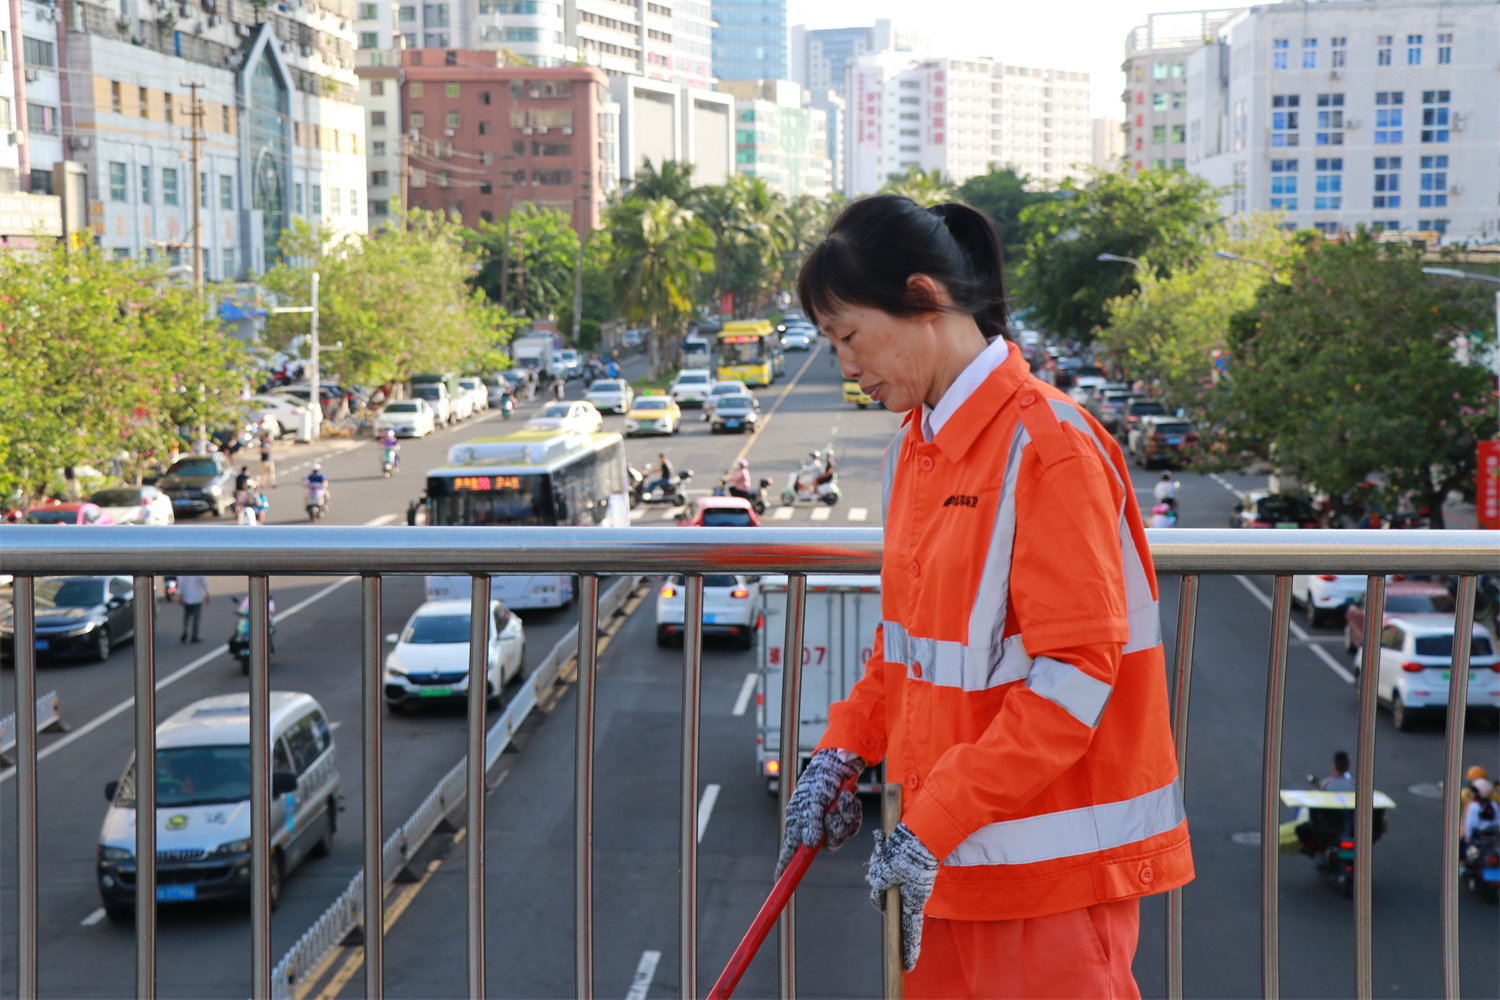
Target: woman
1017,687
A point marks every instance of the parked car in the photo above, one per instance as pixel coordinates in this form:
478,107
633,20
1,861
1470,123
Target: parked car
1260,509
76,616
1416,658
134,505
332,396
1134,411
653,415
611,395
494,389
734,414
199,484
438,399
429,659
479,395
284,409
729,607
1108,408
407,417
66,513
1325,595
570,363
522,380
569,416
1161,440
691,386
1402,597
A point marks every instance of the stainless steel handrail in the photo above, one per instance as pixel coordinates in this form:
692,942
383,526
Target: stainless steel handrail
370,552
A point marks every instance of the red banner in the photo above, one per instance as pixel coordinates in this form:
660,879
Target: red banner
1487,499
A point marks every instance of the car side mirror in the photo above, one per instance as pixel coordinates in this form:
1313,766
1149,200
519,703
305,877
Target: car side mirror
110,788
114,602
283,783
392,637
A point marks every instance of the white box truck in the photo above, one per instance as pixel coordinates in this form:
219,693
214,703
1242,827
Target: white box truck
837,638
537,353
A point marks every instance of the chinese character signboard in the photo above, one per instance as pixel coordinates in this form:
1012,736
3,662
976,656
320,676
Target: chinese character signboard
1487,499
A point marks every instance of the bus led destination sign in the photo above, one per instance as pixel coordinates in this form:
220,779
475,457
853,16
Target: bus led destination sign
484,484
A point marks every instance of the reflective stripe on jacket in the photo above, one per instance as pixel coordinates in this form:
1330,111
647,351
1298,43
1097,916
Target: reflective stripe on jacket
1018,686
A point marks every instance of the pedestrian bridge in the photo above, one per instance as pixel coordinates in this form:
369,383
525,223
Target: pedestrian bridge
596,556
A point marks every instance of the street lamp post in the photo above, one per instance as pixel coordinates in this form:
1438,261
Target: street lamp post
1227,255
315,403
1451,272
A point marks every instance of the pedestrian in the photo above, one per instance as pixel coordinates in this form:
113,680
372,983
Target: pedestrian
267,463
71,488
192,591
1017,685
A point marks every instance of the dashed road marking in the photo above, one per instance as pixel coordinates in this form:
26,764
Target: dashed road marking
669,514
637,513
706,808
822,513
747,691
859,513
645,971
92,918
1299,633
783,513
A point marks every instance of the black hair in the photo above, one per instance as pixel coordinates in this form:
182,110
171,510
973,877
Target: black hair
1340,761
877,243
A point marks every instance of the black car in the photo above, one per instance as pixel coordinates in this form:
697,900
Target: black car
76,616
198,484
735,414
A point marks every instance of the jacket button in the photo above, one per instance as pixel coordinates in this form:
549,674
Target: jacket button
925,463
912,781
1028,399
916,670
1146,874
916,568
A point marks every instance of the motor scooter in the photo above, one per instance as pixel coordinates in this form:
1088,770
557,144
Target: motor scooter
239,642
1324,830
317,502
507,405
803,485
673,493
1480,865
169,588
758,502
387,460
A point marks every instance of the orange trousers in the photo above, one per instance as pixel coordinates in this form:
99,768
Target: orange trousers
1078,954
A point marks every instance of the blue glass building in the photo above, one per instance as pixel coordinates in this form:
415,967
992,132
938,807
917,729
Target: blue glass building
750,41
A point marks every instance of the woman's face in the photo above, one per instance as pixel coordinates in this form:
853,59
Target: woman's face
892,357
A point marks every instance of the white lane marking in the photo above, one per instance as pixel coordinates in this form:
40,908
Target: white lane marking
645,971
706,808
747,691
637,513
383,519
92,918
1299,633
763,422
783,513
859,513
822,513
1222,482
669,514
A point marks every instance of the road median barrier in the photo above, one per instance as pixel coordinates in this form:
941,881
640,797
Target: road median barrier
48,716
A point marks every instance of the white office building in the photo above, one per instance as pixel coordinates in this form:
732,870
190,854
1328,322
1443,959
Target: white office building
660,121
1155,66
1349,113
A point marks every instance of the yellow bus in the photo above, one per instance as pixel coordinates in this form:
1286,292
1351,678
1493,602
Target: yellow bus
747,351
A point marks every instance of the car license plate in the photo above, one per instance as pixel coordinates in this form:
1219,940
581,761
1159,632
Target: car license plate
709,619
43,644
648,423
176,893
434,692
732,423
1447,675
1174,439
1286,524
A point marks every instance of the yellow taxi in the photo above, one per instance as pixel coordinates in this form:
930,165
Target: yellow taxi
854,394
653,414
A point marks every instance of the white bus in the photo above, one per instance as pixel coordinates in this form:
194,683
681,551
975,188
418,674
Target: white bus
531,477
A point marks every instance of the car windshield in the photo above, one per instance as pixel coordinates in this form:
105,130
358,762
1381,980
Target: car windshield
557,409
124,496
719,517
1278,508
429,391
194,776
729,389
1146,408
431,630
1165,428
606,385
654,403
193,467
54,593
50,517
1442,645
1417,604
735,402
692,378
407,407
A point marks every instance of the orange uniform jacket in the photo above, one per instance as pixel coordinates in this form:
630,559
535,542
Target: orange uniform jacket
1018,686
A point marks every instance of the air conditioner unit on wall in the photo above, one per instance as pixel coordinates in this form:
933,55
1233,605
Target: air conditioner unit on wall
1456,189
80,142
567,130
31,74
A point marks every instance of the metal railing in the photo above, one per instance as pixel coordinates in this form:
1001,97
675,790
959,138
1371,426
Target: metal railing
371,552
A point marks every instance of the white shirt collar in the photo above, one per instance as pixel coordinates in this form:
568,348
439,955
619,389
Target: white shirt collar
971,378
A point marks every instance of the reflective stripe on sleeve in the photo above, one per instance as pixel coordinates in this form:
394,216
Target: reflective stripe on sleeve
1075,692
1072,832
952,664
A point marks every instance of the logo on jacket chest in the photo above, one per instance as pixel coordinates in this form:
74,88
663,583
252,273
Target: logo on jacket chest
961,500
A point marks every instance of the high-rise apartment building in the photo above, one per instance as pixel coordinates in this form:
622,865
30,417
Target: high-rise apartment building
380,96
660,121
820,56
780,138
1156,57
750,40
1345,114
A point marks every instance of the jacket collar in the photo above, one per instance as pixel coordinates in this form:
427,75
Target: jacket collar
958,435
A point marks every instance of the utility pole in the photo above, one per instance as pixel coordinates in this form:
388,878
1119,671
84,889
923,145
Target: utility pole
405,172
314,400
195,113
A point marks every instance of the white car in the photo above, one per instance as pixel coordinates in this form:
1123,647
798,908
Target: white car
286,411
429,661
611,394
575,416
797,338
477,391
725,387
1416,658
407,417
135,504
438,400
1326,595
729,607
570,362
691,386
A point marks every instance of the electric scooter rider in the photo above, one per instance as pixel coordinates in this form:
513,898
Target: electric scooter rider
317,482
740,485
664,473
829,473
1165,491
391,448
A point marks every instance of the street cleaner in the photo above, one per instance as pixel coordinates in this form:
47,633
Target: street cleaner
1017,686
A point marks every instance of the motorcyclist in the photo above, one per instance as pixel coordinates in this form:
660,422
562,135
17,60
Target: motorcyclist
244,492
664,473
1475,774
828,474
740,484
391,447
1310,831
316,481
559,388
1165,490
811,472
1342,779
1482,816
1161,517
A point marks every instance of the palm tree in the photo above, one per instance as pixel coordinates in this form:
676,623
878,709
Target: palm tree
674,180
659,252
922,187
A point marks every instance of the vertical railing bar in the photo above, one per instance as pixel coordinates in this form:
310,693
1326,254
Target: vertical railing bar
260,788
692,661
1364,787
583,789
479,633
1270,935
1453,750
1187,628
791,757
144,588
370,746
23,595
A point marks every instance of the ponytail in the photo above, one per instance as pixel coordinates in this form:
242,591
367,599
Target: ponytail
976,236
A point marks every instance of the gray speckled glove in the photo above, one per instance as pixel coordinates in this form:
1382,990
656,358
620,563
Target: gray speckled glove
902,861
808,819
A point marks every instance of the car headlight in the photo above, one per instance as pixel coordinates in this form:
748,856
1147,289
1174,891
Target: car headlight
232,847
394,668
213,489
115,853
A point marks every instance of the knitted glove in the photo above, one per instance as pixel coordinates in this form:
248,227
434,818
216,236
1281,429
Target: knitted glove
808,819
902,861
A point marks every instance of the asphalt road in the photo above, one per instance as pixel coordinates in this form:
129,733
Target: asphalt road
204,950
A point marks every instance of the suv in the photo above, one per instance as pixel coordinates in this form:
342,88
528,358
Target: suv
1402,597
1416,657
1160,438
1134,411
436,394
1108,408
691,386
198,484
1274,510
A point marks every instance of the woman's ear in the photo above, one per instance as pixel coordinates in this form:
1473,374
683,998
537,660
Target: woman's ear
925,294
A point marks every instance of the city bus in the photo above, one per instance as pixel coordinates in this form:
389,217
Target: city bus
530,477
747,352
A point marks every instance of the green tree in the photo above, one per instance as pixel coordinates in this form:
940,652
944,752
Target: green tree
542,259
659,253
674,180
1165,219
1003,195
925,187
1346,371
598,302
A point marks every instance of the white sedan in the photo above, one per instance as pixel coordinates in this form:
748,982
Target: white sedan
407,417
691,386
578,415
286,411
430,658
478,392
729,603
611,394
135,504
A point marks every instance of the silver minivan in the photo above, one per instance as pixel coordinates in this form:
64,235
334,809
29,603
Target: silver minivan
203,802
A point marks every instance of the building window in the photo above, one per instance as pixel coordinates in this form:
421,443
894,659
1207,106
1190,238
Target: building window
369,11
452,90
1434,182
379,178
369,39
1158,134
454,119
1383,50
377,119
1158,102
226,192
1284,185
117,182
168,186
145,184
1159,70
1179,163
1439,226
414,90
1179,70
1336,52
484,97
380,209
1239,187
1279,49
377,147
1327,228
1435,116
317,200
227,113
1387,182
1179,133
1284,119
167,107
418,120
485,187
143,102
484,128
1388,225
377,88
486,157
353,202
115,103
1330,120
41,118
297,198
203,189
37,52
408,12
1328,183
1388,112
1309,53
1413,50
1445,48
1178,100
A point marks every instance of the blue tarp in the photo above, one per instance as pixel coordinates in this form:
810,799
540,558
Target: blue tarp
233,310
